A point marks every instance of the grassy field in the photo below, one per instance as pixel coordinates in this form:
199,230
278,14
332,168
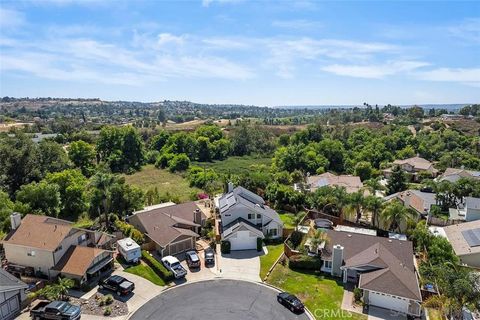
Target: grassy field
168,184
235,164
316,292
266,261
146,272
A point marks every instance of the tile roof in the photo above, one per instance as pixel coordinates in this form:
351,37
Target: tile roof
416,162
9,282
351,183
453,174
40,232
77,260
417,199
394,258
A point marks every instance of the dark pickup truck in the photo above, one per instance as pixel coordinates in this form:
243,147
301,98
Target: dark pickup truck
57,310
117,284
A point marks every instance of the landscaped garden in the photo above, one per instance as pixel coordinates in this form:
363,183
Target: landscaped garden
146,272
321,295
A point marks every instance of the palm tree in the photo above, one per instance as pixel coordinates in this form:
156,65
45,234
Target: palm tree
341,200
375,205
317,239
373,185
355,203
103,181
395,214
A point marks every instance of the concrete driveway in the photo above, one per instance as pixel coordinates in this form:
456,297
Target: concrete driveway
375,313
217,299
242,265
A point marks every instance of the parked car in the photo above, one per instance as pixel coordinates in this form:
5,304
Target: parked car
209,256
57,310
172,264
291,302
117,284
193,260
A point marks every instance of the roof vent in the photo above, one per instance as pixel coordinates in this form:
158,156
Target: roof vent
349,235
129,244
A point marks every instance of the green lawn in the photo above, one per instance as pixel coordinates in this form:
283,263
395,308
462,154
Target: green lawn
288,219
170,185
235,165
321,295
266,261
146,272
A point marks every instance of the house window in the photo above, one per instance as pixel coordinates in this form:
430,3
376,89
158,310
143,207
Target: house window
273,232
31,253
251,216
328,264
259,216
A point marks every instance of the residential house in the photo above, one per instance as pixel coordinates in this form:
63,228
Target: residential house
349,182
465,241
383,268
170,228
413,166
469,210
245,217
12,294
453,175
417,200
44,245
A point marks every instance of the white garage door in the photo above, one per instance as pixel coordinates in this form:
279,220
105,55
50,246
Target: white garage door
243,240
388,302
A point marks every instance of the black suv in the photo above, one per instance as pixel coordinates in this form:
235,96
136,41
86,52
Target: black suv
209,256
117,284
291,302
193,260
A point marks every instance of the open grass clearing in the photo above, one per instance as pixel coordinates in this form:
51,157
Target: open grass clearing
170,185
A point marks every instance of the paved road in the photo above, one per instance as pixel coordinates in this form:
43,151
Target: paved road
216,299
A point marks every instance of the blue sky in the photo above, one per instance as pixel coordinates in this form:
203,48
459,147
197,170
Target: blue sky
251,52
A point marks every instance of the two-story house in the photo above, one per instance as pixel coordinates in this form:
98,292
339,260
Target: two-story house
49,247
382,268
245,217
413,166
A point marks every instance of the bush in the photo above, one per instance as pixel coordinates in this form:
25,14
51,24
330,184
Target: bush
304,262
159,268
225,247
108,299
108,311
296,238
357,294
179,162
259,244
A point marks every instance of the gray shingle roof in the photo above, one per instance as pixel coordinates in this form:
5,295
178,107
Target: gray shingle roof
9,282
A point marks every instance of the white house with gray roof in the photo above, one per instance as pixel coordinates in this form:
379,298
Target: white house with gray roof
245,217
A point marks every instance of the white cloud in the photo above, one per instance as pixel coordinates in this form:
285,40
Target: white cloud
374,71
10,18
467,30
469,76
207,3
168,38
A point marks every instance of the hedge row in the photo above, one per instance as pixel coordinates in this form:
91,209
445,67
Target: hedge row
304,262
158,267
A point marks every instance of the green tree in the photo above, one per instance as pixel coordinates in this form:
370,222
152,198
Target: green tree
375,205
41,198
363,169
395,215
82,154
72,186
179,162
6,209
102,183
397,181
52,157
204,149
